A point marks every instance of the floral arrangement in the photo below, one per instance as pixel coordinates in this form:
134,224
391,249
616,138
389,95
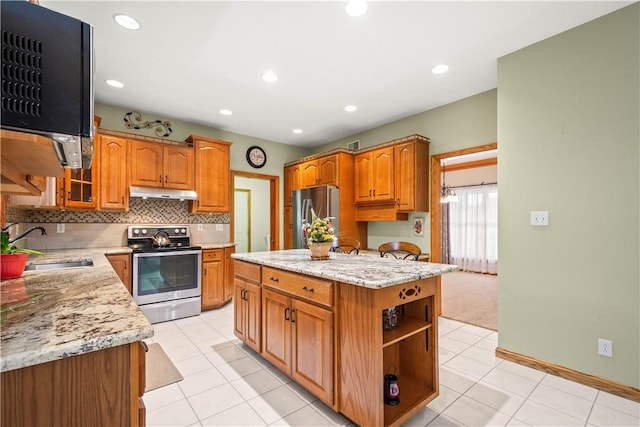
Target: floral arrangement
319,230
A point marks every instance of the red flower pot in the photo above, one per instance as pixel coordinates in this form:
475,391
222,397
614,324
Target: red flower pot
12,265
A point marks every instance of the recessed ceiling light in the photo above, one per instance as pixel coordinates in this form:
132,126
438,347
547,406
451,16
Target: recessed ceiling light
226,112
114,83
350,108
297,131
126,21
269,76
440,69
356,7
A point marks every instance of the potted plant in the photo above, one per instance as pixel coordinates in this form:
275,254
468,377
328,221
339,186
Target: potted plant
13,259
320,236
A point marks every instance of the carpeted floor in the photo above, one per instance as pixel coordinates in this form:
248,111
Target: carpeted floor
470,298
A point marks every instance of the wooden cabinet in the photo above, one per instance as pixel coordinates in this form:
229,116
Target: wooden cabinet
331,169
411,171
297,336
367,352
291,182
100,388
374,181
161,165
247,304
114,172
320,171
212,174
217,277
81,186
121,263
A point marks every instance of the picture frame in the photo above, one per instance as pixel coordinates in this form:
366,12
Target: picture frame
418,226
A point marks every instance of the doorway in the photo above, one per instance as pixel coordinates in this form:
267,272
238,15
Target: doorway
258,235
436,184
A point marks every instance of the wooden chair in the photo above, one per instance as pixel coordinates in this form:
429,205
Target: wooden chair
399,250
345,245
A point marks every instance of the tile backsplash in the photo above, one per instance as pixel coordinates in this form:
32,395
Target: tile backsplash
93,229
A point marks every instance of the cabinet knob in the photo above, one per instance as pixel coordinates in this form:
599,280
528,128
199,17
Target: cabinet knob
274,279
160,179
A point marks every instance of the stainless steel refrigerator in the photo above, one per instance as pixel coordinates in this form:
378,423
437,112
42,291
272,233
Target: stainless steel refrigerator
325,202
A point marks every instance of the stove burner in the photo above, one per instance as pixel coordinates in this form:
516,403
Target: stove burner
141,238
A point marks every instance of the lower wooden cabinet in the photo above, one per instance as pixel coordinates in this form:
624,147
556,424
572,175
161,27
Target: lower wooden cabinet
247,302
121,263
298,340
217,277
101,388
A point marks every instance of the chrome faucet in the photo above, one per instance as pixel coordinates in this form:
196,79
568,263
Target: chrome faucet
21,235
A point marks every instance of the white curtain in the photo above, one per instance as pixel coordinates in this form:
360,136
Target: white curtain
473,228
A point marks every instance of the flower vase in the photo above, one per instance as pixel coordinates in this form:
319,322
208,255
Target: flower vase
320,250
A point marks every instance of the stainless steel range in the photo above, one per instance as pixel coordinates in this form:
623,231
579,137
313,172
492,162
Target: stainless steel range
167,271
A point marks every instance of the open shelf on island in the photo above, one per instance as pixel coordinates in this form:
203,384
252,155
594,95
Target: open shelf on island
407,326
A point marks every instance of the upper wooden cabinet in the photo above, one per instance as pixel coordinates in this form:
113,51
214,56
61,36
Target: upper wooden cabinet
114,172
321,171
161,165
81,186
411,171
374,180
212,175
291,182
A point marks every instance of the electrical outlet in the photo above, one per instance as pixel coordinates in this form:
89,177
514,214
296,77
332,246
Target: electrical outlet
59,228
539,218
605,347
219,227
199,227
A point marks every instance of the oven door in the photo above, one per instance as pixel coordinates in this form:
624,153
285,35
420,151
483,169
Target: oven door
166,276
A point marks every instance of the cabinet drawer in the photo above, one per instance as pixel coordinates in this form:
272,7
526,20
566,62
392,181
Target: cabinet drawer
247,270
309,288
212,255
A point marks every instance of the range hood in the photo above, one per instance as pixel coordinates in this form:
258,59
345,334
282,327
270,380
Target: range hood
162,193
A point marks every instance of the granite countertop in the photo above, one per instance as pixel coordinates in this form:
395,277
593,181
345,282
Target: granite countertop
361,270
216,245
53,314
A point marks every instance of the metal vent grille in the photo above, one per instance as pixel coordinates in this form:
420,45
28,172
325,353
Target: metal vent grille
21,74
354,145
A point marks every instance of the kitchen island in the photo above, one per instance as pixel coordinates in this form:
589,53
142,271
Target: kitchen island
321,323
71,345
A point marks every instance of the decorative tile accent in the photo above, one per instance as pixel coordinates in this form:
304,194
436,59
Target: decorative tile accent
140,212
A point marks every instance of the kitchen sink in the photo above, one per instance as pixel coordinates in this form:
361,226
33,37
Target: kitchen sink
61,264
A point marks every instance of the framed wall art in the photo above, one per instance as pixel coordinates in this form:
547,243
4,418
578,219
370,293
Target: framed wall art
418,226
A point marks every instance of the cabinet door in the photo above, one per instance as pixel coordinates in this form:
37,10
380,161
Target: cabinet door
309,174
239,309
213,281
228,273
81,186
382,174
363,185
178,168
253,300
405,175
212,176
288,227
121,264
328,170
291,183
146,165
113,173
312,349
276,329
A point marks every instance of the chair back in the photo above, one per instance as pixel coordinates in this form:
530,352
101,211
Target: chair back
346,245
400,250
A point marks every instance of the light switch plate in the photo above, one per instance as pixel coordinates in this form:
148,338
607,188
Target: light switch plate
539,218
60,228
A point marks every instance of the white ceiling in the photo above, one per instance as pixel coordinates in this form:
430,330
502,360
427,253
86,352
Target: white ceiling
191,59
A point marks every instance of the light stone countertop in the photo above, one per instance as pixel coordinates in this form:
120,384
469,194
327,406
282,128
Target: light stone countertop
53,314
361,270
215,245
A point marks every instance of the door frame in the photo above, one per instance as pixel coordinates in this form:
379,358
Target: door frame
274,205
436,230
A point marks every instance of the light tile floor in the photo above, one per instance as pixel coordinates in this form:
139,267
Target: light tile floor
226,384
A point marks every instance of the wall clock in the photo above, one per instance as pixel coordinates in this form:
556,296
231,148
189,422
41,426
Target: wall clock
256,156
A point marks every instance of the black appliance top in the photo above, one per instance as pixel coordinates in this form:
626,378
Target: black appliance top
143,238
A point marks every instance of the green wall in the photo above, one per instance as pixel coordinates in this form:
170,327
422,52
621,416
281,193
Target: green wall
569,144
